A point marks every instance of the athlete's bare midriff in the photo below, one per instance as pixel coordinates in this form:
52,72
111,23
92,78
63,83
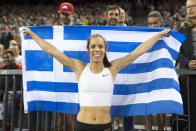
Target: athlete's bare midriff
94,115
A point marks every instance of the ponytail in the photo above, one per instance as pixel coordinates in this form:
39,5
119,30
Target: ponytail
106,63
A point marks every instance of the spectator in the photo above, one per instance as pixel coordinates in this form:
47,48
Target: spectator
187,59
9,61
112,15
66,11
121,21
170,22
154,19
14,47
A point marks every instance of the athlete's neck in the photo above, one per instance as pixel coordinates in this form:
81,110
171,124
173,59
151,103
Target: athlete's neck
96,67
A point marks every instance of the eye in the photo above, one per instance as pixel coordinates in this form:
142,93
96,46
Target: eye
92,46
111,14
100,46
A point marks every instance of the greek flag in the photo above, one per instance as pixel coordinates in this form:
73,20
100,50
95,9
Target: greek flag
148,86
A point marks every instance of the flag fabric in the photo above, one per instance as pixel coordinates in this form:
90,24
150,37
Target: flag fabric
147,86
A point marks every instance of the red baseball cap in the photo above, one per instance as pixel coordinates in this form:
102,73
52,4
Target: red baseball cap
66,7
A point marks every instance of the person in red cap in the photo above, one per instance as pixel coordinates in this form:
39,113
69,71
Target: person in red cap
66,11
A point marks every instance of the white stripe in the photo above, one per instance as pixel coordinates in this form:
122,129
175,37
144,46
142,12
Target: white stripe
52,96
156,95
62,45
124,36
50,76
146,77
120,78
172,43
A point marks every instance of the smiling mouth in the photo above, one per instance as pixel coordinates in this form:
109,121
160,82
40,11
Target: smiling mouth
97,55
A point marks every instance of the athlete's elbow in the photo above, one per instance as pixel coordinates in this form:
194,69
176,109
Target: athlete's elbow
51,52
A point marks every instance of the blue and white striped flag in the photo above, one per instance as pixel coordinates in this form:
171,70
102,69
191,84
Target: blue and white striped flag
148,86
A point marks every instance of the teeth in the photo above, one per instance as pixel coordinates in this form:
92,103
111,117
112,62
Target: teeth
96,55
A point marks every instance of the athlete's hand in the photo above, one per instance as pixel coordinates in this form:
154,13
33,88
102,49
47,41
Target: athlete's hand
27,32
165,32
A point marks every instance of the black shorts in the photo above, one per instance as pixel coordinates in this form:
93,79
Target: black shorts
79,126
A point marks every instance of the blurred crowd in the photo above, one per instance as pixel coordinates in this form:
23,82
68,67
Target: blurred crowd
13,16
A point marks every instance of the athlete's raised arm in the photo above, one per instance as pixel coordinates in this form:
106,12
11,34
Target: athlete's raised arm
121,63
73,64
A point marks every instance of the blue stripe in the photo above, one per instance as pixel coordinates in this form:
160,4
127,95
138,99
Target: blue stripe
71,108
38,60
52,86
80,55
127,89
128,110
76,33
120,28
121,46
127,47
147,108
119,89
44,32
147,67
178,36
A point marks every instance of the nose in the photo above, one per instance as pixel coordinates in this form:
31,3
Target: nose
97,48
62,16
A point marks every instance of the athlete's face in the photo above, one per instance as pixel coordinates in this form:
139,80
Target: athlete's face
97,49
154,22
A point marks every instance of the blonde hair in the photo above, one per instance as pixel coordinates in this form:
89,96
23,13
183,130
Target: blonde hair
155,14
